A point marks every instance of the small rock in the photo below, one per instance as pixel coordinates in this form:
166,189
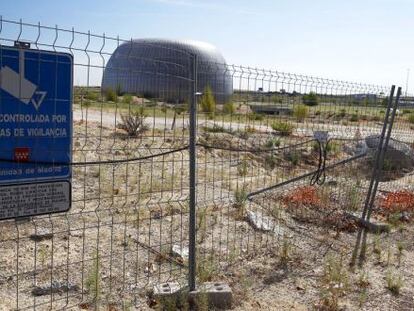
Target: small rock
181,252
399,155
260,222
300,285
150,269
405,216
332,183
54,287
264,223
40,235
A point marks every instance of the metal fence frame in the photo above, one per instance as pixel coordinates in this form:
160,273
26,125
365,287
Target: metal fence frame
251,85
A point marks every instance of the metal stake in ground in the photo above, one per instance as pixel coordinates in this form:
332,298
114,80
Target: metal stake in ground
192,203
377,175
374,174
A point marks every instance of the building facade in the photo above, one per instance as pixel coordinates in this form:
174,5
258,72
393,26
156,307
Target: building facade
164,70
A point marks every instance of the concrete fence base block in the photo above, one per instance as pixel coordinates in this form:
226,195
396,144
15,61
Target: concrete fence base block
218,295
166,290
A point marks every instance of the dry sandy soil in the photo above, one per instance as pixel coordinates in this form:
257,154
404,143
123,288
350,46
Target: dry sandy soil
115,243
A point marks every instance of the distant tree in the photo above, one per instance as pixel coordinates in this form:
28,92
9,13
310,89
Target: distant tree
207,102
310,99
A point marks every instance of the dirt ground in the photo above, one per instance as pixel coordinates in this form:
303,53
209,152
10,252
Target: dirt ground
115,244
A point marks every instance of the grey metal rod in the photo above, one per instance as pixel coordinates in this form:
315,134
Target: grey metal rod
193,186
377,156
294,179
382,154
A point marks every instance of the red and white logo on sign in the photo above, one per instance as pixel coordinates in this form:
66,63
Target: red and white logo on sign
21,154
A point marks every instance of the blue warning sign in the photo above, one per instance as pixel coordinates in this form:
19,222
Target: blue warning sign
35,131
35,114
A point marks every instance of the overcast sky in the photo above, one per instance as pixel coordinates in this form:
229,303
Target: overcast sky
358,40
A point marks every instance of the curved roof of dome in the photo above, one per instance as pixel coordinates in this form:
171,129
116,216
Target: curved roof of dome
205,51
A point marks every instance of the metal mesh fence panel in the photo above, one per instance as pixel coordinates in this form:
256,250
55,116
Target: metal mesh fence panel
283,162
129,182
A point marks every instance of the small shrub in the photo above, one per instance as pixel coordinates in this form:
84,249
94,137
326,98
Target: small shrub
300,112
400,249
394,282
206,269
242,168
217,129
342,113
93,96
111,96
333,148
250,129
202,224
245,134
354,118
272,143
334,283
310,99
283,128
127,99
353,198
377,248
92,283
229,108
207,102
42,254
240,198
256,116
134,123
285,250
270,162
411,118
293,157
363,280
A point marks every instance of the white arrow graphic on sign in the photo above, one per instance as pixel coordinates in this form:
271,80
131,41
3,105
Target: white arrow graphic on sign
18,86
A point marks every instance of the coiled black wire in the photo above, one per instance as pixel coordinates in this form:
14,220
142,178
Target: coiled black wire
319,176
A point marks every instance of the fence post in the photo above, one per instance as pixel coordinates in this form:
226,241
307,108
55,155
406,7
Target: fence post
376,174
382,154
379,151
192,204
